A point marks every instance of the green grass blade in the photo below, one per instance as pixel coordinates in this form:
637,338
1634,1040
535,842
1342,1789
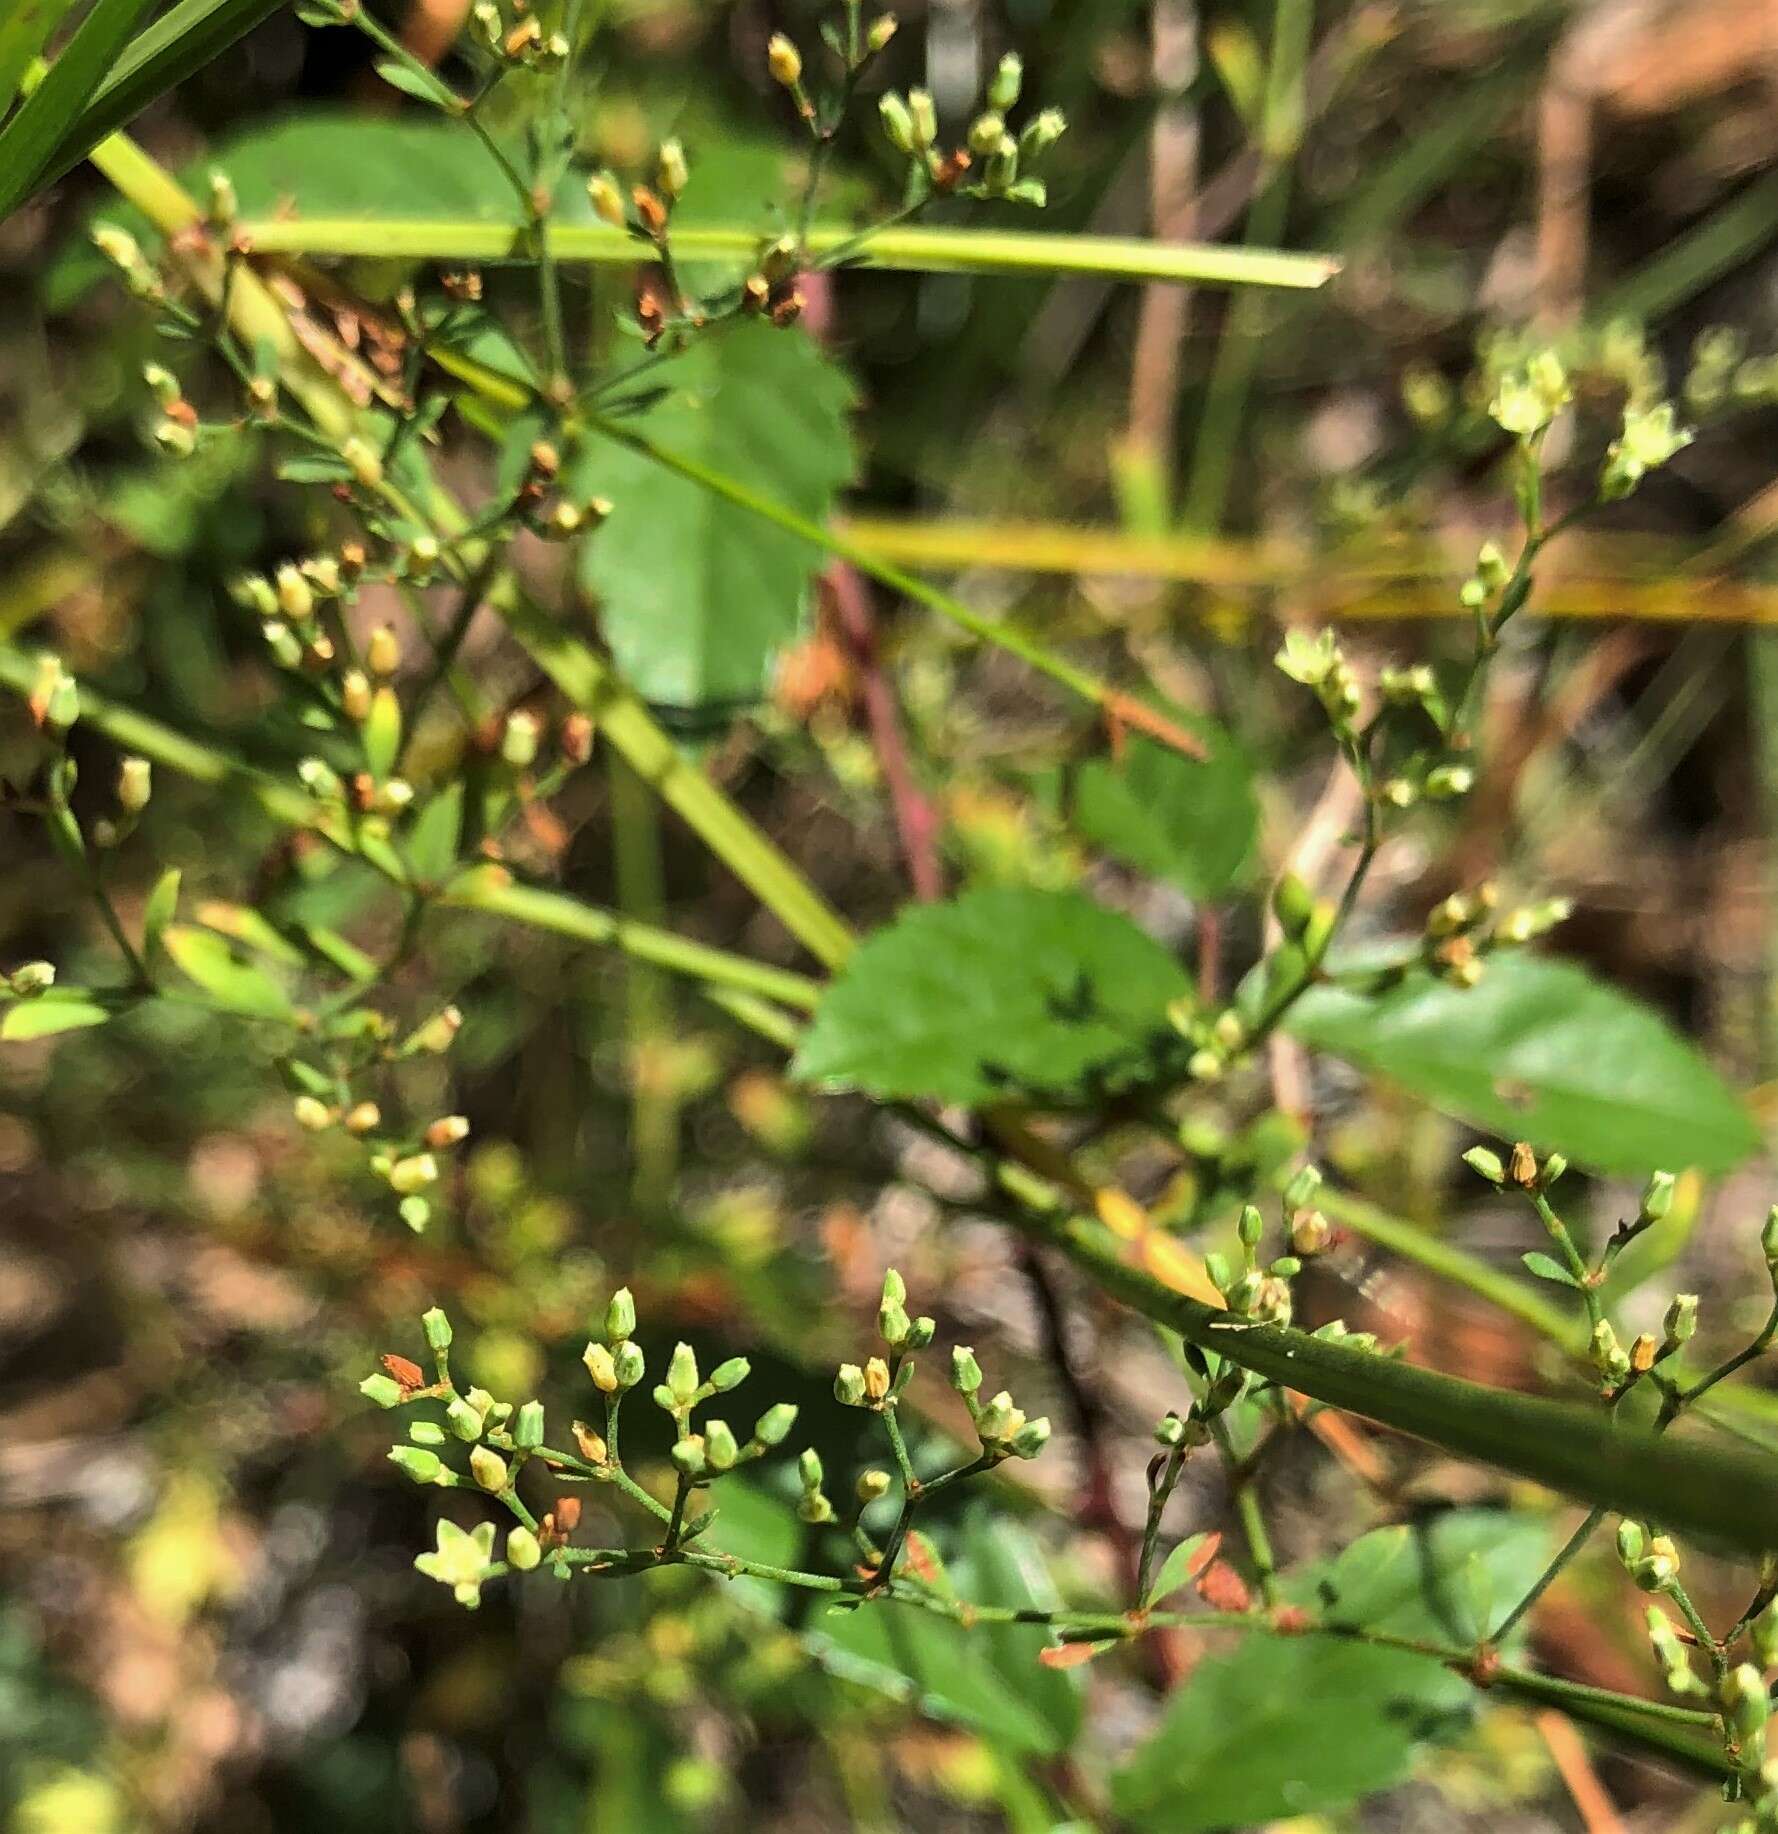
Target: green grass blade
23,34
28,140
936,251
183,40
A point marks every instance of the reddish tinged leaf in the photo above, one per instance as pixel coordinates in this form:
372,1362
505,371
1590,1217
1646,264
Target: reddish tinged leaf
1222,1588
1070,1655
1203,1557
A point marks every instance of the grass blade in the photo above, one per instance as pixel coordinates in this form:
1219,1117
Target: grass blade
28,140
183,40
23,34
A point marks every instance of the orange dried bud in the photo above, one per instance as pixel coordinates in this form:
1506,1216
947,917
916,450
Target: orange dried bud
1522,1167
948,174
787,306
650,211
567,1513
577,738
408,1374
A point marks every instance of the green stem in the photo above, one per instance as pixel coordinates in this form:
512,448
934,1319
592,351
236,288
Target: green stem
895,247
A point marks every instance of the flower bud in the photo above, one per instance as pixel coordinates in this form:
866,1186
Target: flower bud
720,1447
620,1316
1763,1634
892,1323
384,1390
898,123
522,1549
682,1373
488,1468
1657,1199
527,1427
996,1416
629,1363
1031,1438
426,1433
872,1484
808,1468
1630,1541
29,979
438,1033
296,598
688,1455
1309,1232
1749,1704
966,1372
986,132
135,784
1681,1321
419,1464
602,1367
880,31
1251,1226
382,652
784,61
607,200
413,1174
772,1428
876,1378
671,174
465,1421
312,1115
437,1328
848,1385
518,742
363,462
921,1332
923,114
448,1130
1041,133
1486,1164
356,696
1004,85
730,1374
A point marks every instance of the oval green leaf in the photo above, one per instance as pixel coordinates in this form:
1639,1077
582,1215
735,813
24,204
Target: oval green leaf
1000,993
1538,1050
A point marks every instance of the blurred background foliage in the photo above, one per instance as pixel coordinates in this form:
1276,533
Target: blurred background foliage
208,1616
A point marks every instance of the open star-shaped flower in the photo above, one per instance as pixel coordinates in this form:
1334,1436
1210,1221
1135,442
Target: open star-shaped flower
461,1560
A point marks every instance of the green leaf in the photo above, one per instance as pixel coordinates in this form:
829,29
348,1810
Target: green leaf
1288,1726
206,959
61,1009
1546,1267
987,1678
419,84
1192,824
1540,1051
1175,1570
432,842
160,910
24,31
999,992
382,733
182,40
28,140
697,595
